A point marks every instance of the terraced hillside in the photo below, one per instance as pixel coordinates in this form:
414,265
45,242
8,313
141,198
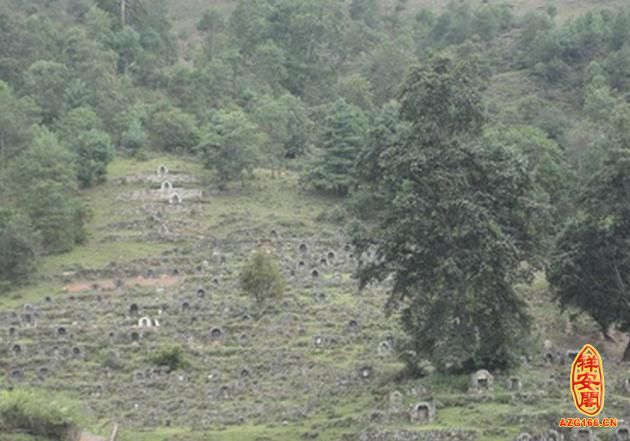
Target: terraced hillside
161,269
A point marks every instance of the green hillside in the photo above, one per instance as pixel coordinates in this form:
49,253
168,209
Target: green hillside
467,162
292,369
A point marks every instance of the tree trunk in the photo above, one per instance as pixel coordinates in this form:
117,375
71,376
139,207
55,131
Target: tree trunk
626,353
123,13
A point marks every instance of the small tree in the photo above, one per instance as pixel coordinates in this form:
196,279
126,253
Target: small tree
171,357
93,151
261,277
19,244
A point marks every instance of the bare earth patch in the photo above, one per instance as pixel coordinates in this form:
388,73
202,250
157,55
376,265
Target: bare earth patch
110,284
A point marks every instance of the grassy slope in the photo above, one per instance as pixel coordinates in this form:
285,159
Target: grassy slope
277,202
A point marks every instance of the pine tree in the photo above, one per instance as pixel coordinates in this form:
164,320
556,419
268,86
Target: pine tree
342,141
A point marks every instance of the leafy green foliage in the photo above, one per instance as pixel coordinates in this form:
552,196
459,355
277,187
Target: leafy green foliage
17,116
39,414
261,277
341,142
93,152
452,229
19,246
46,82
172,130
591,263
230,145
50,200
172,357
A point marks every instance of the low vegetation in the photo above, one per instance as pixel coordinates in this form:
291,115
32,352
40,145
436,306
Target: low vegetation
39,413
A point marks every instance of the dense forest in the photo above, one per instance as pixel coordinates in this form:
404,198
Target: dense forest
471,147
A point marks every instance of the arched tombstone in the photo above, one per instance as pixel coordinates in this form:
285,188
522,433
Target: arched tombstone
274,234
481,381
353,325
185,306
12,331
422,412
245,373
243,339
323,261
621,433
162,170
331,255
524,436
145,322
61,331
320,297
365,372
201,293
384,349
318,341
395,402
625,386
583,434
514,384
303,248
315,273
17,349
135,336
549,357
166,186
76,351
175,199
216,333
42,372
133,309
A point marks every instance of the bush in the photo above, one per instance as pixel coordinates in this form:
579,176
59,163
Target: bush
261,277
19,247
172,357
39,414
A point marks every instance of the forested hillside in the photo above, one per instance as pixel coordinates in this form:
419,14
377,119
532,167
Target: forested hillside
445,181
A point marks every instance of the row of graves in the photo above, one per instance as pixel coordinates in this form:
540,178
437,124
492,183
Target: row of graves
320,345
98,344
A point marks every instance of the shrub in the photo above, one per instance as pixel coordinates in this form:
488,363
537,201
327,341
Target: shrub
172,357
39,414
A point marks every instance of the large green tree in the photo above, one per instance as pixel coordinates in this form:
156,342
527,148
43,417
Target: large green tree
452,224
590,268
43,183
16,118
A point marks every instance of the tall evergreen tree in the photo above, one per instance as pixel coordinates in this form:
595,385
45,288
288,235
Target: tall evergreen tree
342,140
